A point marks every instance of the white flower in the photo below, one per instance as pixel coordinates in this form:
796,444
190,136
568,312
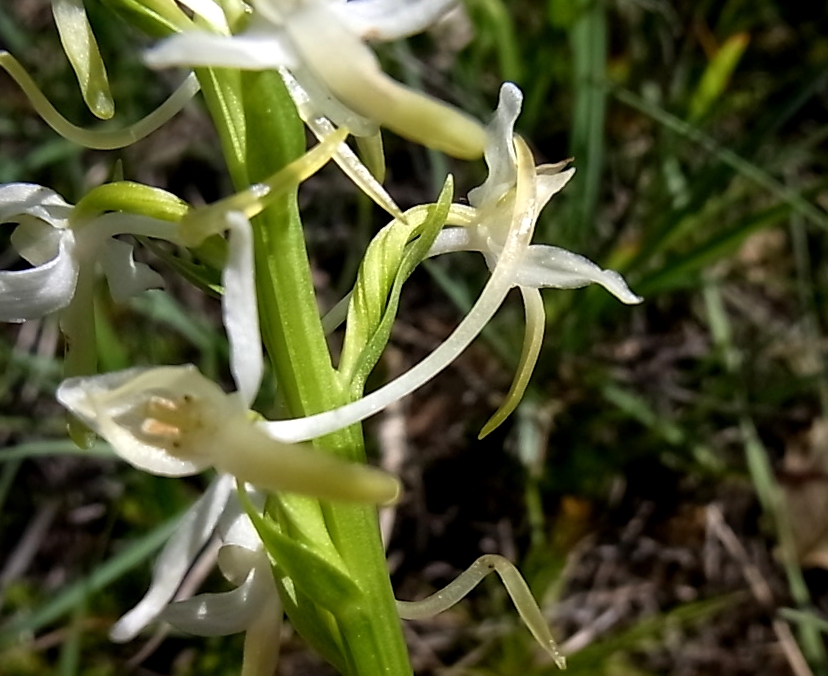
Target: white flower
499,223
253,606
62,251
172,421
335,76
66,252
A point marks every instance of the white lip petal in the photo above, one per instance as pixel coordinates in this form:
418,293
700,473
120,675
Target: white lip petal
551,267
248,51
241,314
387,20
126,277
195,529
47,288
222,614
27,198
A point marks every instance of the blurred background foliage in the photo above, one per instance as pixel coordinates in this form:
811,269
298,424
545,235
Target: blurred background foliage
664,485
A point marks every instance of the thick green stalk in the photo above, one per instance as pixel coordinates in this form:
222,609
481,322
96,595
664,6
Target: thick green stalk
261,133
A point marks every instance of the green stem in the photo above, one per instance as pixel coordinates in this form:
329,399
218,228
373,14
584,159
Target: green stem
260,134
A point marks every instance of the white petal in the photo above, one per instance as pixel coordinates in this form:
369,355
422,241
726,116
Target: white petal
547,185
223,614
125,276
387,20
500,149
354,168
241,314
247,51
195,529
450,240
37,241
35,200
28,294
551,267
113,405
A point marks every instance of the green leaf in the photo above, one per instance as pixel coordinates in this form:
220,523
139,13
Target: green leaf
104,575
389,261
717,75
322,578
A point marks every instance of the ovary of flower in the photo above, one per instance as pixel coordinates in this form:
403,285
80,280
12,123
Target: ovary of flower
172,421
499,223
322,44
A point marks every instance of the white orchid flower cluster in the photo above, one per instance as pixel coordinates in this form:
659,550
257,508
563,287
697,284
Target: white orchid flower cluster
172,420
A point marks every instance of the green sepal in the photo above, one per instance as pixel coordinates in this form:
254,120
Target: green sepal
133,198
389,261
81,49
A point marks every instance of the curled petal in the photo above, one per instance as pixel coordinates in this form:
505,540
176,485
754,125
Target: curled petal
253,50
388,20
29,294
17,199
551,267
36,241
126,277
241,314
193,532
226,613
515,585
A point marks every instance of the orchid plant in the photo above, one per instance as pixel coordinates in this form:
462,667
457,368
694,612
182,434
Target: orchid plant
293,503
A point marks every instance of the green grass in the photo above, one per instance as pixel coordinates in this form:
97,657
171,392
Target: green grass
698,133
